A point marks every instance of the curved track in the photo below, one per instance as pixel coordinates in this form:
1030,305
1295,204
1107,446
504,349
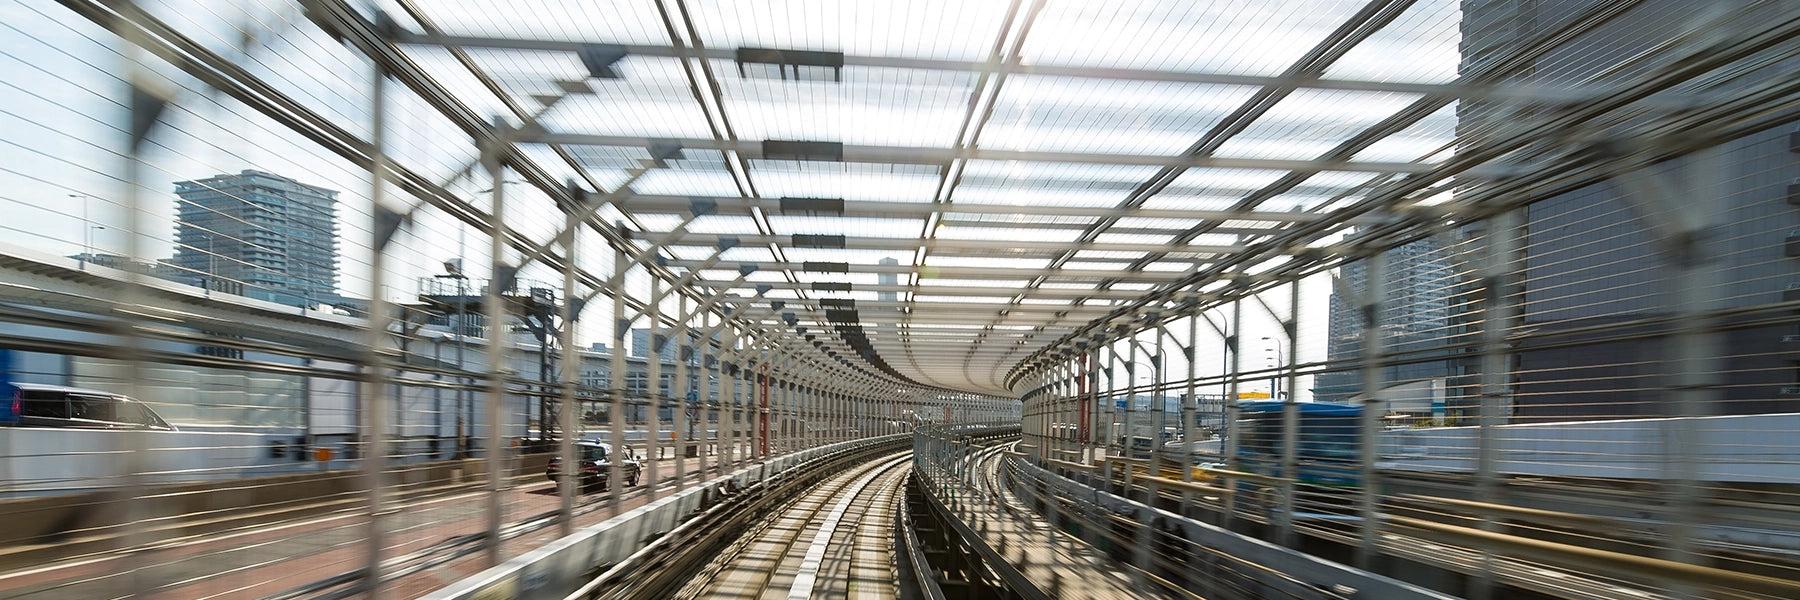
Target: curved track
836,539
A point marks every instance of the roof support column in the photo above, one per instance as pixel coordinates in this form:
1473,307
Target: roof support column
683,391
1500,314
495,309
653,374
1233,341
728,400
1190,408
615,401
1290,418
375,368
570,377
1373,409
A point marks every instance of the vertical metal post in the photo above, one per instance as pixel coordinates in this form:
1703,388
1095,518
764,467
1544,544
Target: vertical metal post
703,408
1697,380
620,366
374,389
728,389
777,373
1499,315
495,311
1290,426
571,376
759,401
1090,425
681,388
1233,341
1128,448
146,104
1190,407
1158,412
653,375
1373,409
1111,406
1152,492
815,399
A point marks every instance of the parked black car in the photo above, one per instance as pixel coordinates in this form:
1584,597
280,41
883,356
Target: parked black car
37,405
596,465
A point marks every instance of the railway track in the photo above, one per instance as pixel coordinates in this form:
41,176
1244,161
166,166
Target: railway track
836,538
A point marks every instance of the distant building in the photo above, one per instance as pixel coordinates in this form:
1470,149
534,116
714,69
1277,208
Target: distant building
1418,283
270,236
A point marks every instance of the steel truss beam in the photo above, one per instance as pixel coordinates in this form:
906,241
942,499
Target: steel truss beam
738,206
909,244
1523,93
913,155
933,272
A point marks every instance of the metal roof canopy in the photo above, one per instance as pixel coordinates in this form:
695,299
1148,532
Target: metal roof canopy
1036,211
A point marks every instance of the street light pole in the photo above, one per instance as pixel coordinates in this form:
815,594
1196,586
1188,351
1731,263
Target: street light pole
1280,363
453,270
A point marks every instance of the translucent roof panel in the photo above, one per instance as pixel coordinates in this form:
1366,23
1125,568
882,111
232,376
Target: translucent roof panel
1430,135
723,225
850,226
1017,218
1167,201
939,260
852,256
945,232
465,86
1063,114
978,299
1131,238
1420,46
1067,174
1028,196
747,254
687,182
1307,123
987,178
943,29
870,106
1154,223
610,166
619,22
850,181
650,101
944,282
1259,38
1222,182
852,277
1028,183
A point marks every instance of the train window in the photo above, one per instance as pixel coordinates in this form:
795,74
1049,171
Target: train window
135,414
91,408
38,404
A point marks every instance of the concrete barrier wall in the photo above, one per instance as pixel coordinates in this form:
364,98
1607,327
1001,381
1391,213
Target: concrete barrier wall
48,460
198,507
